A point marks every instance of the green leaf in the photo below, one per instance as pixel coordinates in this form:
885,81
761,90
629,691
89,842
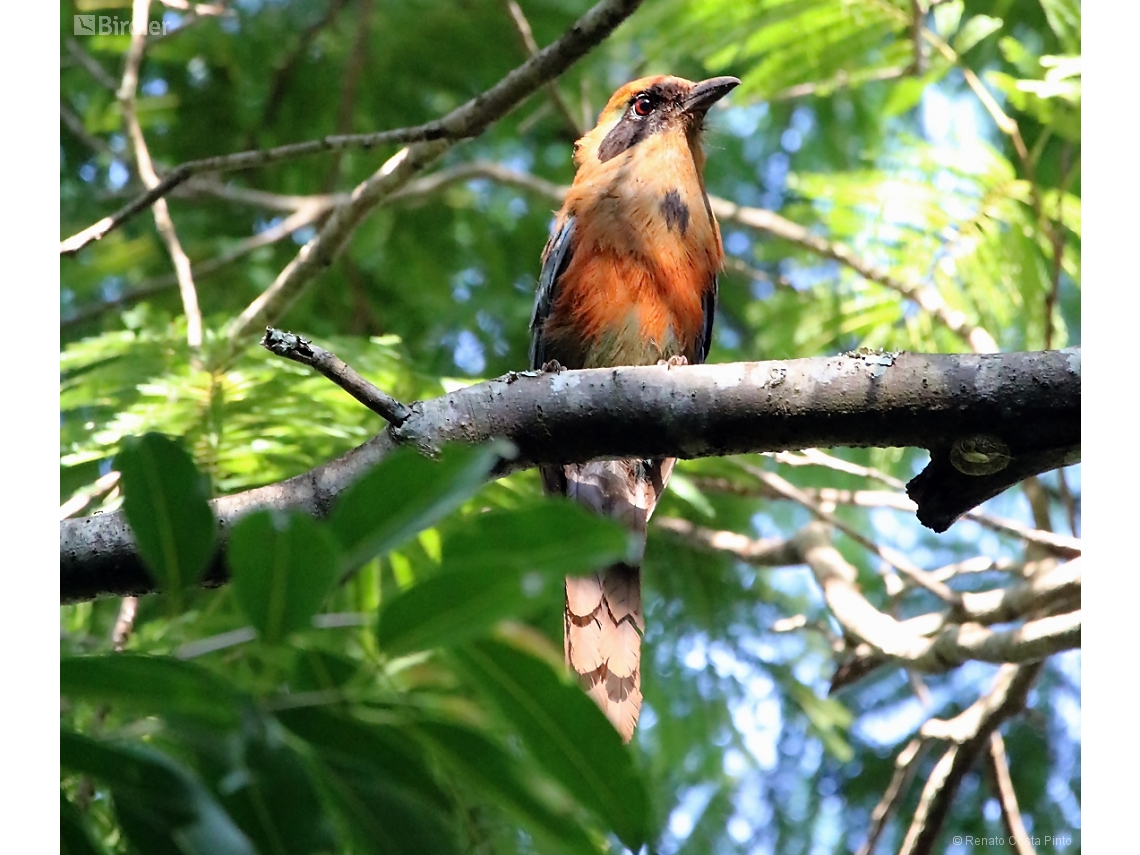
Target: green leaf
319,670
406,493
162,806
385,749
974,30
1065,20
453,607
552,535
154,685
166,501
386,819
566,732
74,838
378,777
283,566
276,804
489,770
497,565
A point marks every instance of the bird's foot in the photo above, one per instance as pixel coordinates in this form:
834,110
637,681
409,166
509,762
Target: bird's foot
551,367
673,361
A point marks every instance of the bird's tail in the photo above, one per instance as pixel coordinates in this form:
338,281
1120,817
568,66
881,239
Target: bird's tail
603,626
603,618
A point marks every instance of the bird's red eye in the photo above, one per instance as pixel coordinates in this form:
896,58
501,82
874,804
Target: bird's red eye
643,105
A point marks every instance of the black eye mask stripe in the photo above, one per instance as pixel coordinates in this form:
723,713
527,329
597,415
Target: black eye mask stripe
632,128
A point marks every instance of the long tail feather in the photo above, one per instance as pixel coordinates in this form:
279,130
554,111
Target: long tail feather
603,617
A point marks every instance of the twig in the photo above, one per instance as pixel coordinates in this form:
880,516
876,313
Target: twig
917,19
93,66
758,553
970,732
162,220
897,641
348,89
1065,547
526,35
1010,813
301,350
1058,589
298,219
906,766
86,496
841,80
125,623
739,265
925,297
896,559
464,121
283,73
75,125
467,120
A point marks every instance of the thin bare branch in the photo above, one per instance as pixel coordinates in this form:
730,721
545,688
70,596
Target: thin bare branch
970,733
92,65
1065,547
75,124
297,220
432,138
841,80
759,553
298,349
125,623
350,81
162,219
526,35
467,120
82,498
906,765
1010,813
892,556
950,647
284,70
925,297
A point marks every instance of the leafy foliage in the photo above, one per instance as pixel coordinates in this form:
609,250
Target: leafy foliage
389,679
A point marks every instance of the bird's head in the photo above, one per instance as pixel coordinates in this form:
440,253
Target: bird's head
650,106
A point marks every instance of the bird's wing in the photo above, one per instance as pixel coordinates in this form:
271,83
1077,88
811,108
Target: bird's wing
708,305
555,257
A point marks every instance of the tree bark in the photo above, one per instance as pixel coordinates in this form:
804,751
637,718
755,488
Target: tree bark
1025,404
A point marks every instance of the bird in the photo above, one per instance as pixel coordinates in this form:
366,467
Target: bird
628,277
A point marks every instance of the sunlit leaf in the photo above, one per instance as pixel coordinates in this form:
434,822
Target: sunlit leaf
566,732
406,493
166,502
152,685
283,566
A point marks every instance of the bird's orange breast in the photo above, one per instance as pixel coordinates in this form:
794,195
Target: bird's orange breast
646,254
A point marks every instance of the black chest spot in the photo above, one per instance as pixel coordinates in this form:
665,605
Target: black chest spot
676,212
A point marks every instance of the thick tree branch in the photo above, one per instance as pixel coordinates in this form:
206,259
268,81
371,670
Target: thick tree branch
1031,400
950,645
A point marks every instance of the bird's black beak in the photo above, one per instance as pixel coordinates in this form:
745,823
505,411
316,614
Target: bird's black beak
708,92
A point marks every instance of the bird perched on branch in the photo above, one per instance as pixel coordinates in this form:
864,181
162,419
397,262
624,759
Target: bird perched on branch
628,278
